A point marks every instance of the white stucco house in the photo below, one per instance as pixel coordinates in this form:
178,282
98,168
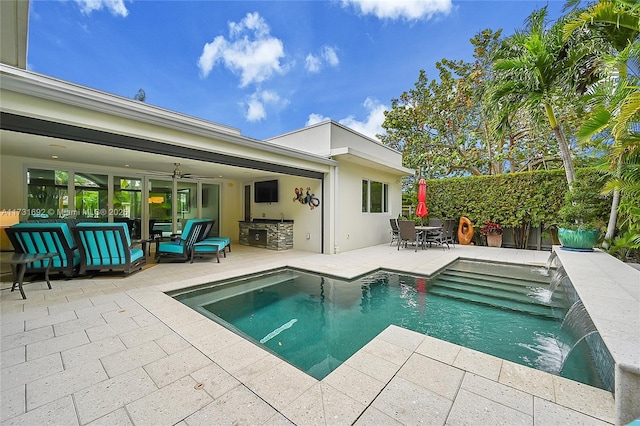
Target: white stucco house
67,149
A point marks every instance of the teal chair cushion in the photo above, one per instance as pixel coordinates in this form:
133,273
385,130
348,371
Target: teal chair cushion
225,240
189,223
104,247
114,225
47,243
208,247
171,247
63,226
136,254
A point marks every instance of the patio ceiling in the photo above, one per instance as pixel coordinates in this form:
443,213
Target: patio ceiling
42,149
37,139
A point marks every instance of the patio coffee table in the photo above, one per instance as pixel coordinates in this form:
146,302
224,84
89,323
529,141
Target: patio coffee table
19,261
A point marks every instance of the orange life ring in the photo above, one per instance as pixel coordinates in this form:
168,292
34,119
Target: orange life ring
465,231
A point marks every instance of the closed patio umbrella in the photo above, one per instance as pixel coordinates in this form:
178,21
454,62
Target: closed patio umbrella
421,210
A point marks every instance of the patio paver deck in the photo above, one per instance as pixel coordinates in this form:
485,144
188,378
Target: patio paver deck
115,350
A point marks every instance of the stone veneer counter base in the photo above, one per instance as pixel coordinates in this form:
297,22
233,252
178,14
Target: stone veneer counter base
272,235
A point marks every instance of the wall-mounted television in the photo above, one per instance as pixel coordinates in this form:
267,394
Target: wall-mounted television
265,191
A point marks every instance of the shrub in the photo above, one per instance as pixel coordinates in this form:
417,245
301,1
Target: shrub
491,228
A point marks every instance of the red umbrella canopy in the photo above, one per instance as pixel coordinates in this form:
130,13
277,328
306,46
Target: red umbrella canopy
421,210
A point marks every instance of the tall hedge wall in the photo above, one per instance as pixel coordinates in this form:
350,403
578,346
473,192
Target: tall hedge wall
513,200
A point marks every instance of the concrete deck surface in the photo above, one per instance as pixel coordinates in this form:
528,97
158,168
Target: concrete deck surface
112,350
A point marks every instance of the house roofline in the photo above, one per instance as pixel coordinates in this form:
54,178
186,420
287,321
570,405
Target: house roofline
347,151
50,88
342,126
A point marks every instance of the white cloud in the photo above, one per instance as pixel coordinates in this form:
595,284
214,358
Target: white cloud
116,7
250,51
258,101
314,63
329,54
255,110
371,127
410,10
315,119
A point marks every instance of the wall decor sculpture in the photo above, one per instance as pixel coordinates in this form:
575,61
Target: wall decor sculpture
306,197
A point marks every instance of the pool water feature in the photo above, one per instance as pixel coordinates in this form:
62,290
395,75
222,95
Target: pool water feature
317,322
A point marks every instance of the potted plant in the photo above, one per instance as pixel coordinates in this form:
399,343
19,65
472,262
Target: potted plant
493,232
580,224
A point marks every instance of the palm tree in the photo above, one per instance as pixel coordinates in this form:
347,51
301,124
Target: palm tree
618,21
616,107
536,70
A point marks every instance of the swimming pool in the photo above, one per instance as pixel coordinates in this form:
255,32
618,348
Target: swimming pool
317,322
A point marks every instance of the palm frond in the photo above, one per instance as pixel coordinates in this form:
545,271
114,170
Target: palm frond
606,13
629,113
596,123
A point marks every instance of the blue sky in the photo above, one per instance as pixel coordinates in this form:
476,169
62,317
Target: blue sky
266,67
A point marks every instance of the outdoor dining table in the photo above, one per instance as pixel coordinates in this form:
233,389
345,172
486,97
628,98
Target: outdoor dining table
425,230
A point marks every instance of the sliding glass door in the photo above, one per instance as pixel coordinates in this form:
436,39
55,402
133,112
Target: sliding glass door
127,203
47,193
91,196
144,204
210,196
160,204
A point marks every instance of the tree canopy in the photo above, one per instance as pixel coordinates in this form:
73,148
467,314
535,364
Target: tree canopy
554,95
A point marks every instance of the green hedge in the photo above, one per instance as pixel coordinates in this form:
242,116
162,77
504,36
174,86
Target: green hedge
513,200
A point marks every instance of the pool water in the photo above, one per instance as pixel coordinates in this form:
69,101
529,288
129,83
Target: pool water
317,322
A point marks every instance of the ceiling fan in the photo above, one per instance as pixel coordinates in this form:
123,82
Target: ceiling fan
177,173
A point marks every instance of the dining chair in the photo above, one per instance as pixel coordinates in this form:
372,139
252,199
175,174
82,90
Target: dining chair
408,233
448,232
435,235
395,233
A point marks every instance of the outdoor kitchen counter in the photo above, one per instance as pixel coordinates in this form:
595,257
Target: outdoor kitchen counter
272,234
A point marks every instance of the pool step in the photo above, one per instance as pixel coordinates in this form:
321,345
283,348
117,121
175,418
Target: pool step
527,308
501,270
497,277
513,289
482,285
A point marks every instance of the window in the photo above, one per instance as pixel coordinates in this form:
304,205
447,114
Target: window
92,195
127,203
48,193
375,197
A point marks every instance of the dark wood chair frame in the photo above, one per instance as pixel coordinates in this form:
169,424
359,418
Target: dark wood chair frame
53,240
122,250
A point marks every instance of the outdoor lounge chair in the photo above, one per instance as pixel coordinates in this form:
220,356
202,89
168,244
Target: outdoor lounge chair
208,248
408,233
394,231
46,238
107,246
180,247
225,241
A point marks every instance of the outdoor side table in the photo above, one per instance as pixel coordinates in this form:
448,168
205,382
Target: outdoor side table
19,262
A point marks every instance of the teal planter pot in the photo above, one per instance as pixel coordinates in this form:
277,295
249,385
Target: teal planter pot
578,240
